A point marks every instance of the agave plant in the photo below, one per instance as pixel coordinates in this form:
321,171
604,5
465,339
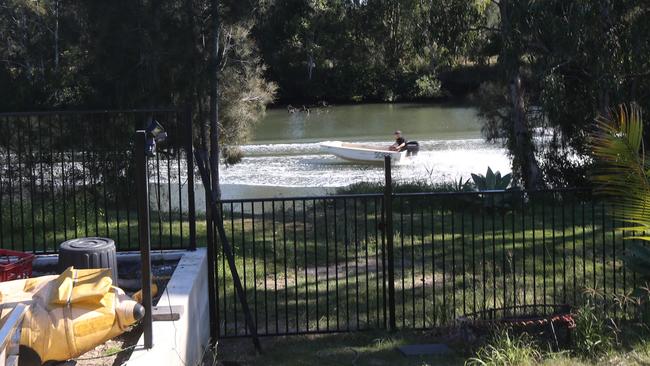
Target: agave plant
622,174
491,181
461,185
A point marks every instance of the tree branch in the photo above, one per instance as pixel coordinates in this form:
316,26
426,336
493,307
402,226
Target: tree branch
483,27
15,63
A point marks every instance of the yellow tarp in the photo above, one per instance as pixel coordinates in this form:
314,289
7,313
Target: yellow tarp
70,313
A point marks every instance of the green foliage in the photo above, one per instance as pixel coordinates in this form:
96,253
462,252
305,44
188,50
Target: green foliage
505,349
622,175
415,186
576,60
418,186
637,258
491,181
84,55
427,86
592,336
460,186
358,50
622,167
243,91
232,155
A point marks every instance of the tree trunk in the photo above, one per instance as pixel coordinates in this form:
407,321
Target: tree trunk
214,102
193,96
56,35
524,146
25,43
525,164
604,69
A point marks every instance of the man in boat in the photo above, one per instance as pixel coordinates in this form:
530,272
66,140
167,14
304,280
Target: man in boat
400,142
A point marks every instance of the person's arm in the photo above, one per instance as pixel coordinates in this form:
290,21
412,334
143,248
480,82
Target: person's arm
398,146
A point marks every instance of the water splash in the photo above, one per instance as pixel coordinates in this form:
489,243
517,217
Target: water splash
304,165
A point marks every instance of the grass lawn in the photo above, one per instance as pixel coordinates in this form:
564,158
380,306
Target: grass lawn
379,348
305,271
362,348
321,265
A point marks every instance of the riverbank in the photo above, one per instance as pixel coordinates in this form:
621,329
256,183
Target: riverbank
323,104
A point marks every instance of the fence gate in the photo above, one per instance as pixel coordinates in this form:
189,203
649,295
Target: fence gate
308,265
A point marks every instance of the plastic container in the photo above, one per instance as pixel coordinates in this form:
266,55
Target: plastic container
86,253
15,265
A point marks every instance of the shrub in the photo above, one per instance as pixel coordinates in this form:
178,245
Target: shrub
414,186
462,186
505,349
491,181
592,336
427,86
232,155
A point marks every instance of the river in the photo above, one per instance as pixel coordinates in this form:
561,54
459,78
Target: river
284,158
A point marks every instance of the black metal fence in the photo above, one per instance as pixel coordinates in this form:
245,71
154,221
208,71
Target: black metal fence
311,264
320,264
70,174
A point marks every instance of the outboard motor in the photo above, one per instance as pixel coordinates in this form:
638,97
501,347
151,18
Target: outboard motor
412,148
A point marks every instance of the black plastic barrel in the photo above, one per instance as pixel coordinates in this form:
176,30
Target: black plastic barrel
85,253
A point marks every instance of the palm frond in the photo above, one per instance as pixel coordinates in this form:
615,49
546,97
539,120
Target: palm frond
617,145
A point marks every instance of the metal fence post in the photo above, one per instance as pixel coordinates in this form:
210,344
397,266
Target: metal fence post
388,229
217,220
144,231
189,155
213,285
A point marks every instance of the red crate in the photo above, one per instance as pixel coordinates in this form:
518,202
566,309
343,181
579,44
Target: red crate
15,265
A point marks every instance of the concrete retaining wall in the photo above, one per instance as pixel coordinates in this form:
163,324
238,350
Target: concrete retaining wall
181,342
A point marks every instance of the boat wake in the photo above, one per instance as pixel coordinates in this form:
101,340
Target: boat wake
305,165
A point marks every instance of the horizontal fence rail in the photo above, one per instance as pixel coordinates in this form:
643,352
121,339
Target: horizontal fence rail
70,174
317,265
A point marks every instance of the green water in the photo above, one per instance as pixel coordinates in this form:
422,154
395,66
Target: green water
369,122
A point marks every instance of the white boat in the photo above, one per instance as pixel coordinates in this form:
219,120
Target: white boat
361,152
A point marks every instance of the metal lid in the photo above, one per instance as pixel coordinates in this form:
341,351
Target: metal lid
89,243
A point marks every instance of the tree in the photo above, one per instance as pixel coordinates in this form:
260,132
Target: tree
213,70
575,59
132,54
506,109
348,50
